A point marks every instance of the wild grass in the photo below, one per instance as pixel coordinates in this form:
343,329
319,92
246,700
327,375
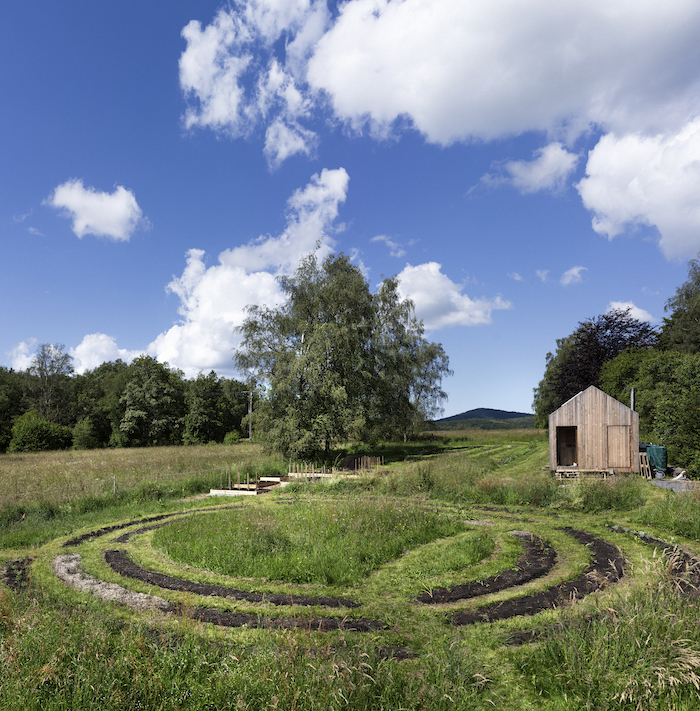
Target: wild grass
495,473
635,645
641,650
329,543
678,514
57,657
620,493
60,477
45,494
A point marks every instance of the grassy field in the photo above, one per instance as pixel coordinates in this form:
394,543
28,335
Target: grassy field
442,512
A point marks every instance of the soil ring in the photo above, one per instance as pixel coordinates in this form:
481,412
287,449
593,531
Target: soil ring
537,560
78,540
606,567
120,562
68,569
224,618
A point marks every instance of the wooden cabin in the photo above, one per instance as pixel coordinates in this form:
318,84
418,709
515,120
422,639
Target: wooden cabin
593,432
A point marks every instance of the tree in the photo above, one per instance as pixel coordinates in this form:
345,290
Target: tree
50,372
154,404
580,357
214,408
681,330
99,393
337,362
11,396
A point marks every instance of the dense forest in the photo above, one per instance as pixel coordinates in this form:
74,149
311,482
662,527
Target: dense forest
49,406
619,353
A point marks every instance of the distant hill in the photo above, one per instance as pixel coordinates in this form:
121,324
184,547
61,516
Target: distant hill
484,413
483,418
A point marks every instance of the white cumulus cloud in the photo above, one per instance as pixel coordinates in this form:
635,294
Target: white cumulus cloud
98,348
213,298
635,311
549,169
440,302
492,68
647,180
234,82
114,215
464,71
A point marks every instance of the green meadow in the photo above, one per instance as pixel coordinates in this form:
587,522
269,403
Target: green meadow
441,512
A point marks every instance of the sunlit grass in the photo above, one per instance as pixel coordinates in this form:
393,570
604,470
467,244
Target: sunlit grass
325,542
58,477
641,650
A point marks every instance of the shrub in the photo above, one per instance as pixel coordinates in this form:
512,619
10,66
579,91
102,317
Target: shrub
84,436
31,433
232,437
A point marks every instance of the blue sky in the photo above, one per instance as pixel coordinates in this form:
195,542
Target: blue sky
520,166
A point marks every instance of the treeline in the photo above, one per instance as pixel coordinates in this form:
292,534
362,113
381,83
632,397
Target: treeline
617,353
144,403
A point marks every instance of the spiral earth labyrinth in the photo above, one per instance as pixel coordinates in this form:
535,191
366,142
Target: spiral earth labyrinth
540,579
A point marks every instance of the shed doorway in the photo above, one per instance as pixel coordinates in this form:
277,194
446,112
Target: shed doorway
566,446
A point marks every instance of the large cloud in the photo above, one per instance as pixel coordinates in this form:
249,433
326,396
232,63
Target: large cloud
491,68
114,215
649,180
213,299
440,302
464,71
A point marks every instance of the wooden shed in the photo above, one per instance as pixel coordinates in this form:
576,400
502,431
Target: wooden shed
593,432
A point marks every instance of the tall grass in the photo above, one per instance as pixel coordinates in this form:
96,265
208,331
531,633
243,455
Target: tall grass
60,477
330,543
46,494
641,650
620,493
676,513
498,473
57,657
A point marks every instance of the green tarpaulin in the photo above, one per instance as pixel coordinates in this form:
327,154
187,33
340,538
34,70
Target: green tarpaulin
657,457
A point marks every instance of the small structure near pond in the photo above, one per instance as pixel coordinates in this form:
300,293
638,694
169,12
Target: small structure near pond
593,433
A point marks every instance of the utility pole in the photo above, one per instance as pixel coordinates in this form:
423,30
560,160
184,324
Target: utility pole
250,415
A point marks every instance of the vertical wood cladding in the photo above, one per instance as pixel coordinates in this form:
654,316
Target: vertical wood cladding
606,435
